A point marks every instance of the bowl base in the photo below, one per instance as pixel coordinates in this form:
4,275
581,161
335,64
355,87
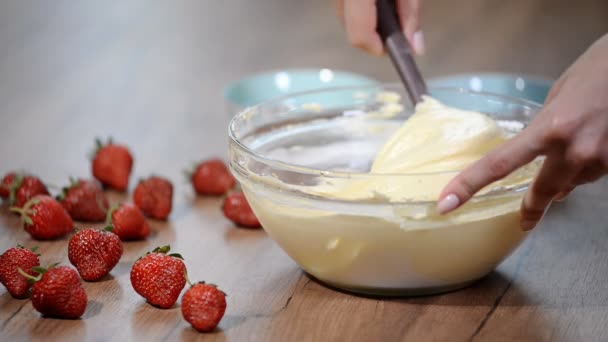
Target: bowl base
395,292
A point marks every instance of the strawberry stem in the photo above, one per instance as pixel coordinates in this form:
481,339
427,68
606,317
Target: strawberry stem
100,204
30,277
17,210
15,185
111,211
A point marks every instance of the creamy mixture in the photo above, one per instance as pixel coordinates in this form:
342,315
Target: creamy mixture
401,246
435,139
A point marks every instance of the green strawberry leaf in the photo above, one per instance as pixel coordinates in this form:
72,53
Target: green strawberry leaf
176,255
17,181
74,182
163,249
39,269
28,220
111,211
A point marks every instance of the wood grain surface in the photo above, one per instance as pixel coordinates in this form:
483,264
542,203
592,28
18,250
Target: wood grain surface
151,74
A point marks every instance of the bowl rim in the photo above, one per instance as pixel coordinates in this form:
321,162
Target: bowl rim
235,84
299,169
538,79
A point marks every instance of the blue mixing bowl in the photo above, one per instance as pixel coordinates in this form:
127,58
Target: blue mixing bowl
520,86
270,85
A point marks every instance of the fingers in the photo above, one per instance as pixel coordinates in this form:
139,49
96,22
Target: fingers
409,16
563,194
555,176
497,164
556,88
360,23
590,174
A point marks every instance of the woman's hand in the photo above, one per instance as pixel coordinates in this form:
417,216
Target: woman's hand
359,19
571,131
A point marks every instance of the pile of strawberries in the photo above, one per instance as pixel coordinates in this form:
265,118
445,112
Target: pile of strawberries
159,277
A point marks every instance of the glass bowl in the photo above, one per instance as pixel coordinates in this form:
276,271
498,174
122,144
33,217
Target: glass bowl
293,155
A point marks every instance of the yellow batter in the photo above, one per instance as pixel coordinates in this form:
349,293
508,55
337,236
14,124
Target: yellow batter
400,245
429,149
438,138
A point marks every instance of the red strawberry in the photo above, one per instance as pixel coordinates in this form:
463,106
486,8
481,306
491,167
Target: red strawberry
159,277
203,306
84,200
6,184
112,165
58,292
20,188
128,222
44,218
211,177
237,209
154,196
11,261
94,252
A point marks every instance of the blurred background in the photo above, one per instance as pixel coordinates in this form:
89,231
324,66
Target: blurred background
143,70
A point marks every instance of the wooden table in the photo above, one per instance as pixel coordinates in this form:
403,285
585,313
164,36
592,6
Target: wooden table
150,73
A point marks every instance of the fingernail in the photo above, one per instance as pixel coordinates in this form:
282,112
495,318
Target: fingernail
527,225
448,203
418,43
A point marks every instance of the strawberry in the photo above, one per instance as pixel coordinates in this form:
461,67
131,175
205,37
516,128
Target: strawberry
20,188
44,218
154,196
6,184
94,252
58,292
112,165
128,222
84,200
159,277
237,209
211,177
203,306
11,261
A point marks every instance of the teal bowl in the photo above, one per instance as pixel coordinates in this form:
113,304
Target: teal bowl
270,85
531,88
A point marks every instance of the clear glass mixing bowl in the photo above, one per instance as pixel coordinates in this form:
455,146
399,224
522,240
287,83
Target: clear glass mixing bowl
293,154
